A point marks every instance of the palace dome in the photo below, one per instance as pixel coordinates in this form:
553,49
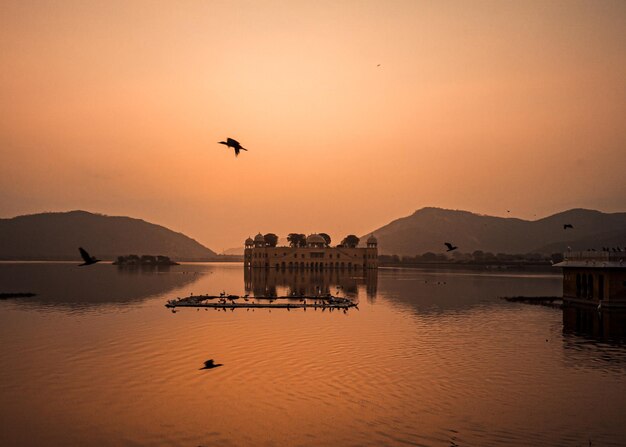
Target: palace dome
315,239
249,241
372,240
259,238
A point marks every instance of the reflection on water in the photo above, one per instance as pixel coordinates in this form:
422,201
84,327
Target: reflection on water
594,340
608,324
63,284
432,358
429,290
310,282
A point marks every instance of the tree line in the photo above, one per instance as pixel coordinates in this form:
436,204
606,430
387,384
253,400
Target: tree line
299,240
144,260
476,257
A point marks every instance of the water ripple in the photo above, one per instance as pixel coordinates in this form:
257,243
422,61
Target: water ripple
414,366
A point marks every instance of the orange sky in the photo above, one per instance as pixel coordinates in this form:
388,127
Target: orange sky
117,107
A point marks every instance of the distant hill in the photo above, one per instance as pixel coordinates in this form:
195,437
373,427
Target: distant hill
238,251
57,236
428,228
235,251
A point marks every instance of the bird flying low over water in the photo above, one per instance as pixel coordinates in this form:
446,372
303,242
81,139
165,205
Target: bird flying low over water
86,257
450,246
566,226
209,364
230,142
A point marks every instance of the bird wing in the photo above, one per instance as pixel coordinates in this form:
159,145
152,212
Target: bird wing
448,244
236,150
232,142
84,254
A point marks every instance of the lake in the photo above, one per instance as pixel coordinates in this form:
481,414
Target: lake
430,358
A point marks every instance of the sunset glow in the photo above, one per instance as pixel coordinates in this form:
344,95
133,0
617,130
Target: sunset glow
355,113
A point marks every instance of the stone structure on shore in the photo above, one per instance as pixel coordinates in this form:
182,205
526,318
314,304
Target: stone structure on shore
595,278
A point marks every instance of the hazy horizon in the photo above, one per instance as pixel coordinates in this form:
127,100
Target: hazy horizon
283,237
117,108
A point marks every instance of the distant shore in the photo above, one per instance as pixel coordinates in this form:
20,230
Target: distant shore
547,267
220,258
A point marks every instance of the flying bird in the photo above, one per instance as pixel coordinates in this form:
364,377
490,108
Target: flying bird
566,226
450,246
209,364
234,144
86,257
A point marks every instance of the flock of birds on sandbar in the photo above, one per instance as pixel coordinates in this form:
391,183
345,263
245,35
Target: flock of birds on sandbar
225,301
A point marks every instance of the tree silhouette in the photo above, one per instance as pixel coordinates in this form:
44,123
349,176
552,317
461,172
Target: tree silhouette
350,241
271,240
326,238
302,240
478,255
429,256
296,240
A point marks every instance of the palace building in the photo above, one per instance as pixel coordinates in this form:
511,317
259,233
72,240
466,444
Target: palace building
315,255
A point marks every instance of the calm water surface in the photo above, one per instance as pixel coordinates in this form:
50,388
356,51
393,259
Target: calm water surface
430,359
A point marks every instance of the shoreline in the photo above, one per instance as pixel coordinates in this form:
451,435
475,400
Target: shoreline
471,266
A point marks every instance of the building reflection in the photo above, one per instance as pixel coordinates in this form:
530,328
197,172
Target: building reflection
590,322
278,282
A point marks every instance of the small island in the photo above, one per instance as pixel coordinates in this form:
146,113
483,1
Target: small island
144,260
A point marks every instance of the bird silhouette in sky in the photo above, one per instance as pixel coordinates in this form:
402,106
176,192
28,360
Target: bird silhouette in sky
566,226
230,142
450,246
209,364
86,257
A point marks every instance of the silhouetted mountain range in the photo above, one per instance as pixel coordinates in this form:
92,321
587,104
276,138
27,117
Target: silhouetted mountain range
428,228
57,236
